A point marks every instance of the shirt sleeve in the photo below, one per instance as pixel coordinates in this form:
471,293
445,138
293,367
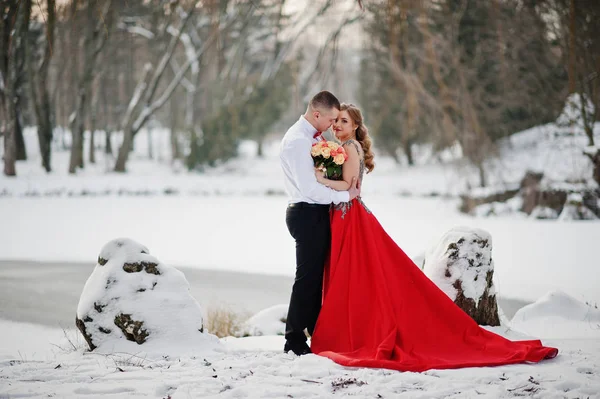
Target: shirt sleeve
297,153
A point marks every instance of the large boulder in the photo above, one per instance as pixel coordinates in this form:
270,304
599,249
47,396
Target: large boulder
461,265
133,299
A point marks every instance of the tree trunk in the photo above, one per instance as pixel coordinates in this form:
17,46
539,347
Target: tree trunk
77,128
571,67
108,125
588,120
94,41
595,158
38,83
107,145
175,151
93,120
409,152
128,121
14,25
391,151
20,140
92,153
150,154
20,43
482,180
125,147
45,135
10,151
10,140
261,152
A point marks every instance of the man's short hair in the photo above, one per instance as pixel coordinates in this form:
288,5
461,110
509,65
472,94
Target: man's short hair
325,100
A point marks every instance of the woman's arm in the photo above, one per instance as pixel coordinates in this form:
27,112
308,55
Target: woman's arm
350,169
297,163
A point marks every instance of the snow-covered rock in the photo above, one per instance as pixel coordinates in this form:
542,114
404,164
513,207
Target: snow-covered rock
461,265
510,207
575,209
558,315
131,299
543,212
270,321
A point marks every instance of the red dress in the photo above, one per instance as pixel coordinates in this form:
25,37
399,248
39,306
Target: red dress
380,310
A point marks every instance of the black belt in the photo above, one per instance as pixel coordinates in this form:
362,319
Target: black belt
306,205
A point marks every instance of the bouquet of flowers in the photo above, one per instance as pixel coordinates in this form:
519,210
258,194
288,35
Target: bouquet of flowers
329,157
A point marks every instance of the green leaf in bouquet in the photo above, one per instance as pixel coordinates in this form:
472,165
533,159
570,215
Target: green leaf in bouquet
334,172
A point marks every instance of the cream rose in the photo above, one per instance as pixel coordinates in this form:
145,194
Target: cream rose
333,146
339,159
326,152
315,151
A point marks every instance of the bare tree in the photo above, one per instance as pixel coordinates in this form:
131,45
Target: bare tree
144,102
14,23
97,33
37,70
143,96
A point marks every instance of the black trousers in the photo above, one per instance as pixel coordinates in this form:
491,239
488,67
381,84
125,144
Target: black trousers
310,227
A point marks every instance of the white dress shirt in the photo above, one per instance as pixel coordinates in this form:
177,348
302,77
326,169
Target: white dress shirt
301,185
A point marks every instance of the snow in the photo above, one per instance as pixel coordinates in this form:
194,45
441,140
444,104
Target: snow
511,207
161,301
558,315
591,150
40,362
140,30
190,52
543,212
268,321
543,149
248,234
575,210
231,217
571,114
472,277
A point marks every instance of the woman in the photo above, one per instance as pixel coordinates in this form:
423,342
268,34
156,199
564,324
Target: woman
379,309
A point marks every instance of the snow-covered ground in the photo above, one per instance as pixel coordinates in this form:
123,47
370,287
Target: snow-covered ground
249,235
40,362
232,218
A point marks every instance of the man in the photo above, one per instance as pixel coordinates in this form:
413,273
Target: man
307,216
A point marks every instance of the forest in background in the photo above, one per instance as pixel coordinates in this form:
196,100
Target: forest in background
214,72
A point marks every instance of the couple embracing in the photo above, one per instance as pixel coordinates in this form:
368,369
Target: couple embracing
359,296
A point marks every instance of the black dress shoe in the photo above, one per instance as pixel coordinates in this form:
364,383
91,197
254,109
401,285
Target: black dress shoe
299,349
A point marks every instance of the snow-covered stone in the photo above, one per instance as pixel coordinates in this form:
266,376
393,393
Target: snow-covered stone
270,321
510,207
575,209
131,298
543,212
461,265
